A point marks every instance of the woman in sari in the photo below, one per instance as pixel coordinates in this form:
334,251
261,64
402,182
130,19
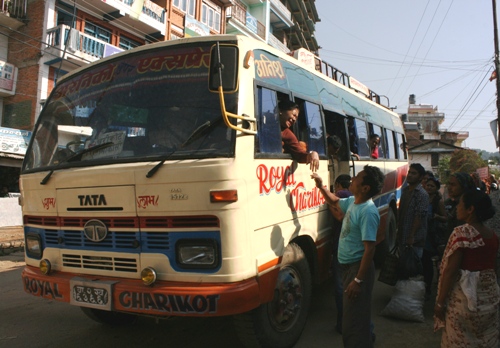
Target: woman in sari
468,294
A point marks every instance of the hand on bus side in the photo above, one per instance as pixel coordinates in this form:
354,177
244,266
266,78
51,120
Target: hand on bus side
313,160
317,180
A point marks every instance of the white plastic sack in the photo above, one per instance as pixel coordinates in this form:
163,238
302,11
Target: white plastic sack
407,302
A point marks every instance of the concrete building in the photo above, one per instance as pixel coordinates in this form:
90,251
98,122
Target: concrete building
427,143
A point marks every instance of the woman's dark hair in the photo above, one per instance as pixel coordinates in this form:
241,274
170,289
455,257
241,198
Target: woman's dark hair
343,180
373,178
464,180
286,105
435,181
481,202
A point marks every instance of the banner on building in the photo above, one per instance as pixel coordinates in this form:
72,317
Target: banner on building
14,140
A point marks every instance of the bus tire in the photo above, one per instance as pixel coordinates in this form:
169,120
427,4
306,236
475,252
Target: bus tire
384,247
280,323
109,318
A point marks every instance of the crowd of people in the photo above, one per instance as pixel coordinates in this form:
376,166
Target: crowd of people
450,232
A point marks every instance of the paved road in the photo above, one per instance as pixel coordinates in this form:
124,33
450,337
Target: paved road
31,322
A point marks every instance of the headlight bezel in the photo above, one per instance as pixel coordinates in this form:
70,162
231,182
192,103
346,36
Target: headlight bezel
184,247
32,241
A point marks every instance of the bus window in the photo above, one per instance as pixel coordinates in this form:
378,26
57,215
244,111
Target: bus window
268,139
377,131
401,146
390,146
314,128
360,139
335,125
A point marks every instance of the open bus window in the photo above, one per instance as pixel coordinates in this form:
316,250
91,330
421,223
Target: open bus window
335,126
376,131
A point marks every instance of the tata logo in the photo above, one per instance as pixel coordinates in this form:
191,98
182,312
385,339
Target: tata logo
95,230
92,200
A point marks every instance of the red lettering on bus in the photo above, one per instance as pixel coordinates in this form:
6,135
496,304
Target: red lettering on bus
274,178
302,199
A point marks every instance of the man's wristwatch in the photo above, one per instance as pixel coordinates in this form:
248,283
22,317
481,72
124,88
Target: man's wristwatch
359,281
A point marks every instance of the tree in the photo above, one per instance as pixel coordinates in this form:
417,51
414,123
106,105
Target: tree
466,161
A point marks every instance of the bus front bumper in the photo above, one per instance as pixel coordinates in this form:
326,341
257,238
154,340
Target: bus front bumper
164,298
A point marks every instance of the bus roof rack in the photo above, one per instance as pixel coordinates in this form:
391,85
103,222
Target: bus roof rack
311,60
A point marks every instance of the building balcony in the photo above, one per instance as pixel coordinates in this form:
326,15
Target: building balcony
280,17
149,20
8,79
13,13
239,20
78,48
276,43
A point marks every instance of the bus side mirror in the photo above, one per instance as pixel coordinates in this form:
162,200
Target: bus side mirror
223,68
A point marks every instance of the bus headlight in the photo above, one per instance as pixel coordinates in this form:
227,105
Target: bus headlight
45,266
197,253
148,276
34,245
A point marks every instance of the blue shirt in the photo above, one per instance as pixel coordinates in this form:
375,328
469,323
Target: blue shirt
360,224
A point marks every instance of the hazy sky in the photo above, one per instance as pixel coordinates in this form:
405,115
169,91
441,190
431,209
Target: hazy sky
440,50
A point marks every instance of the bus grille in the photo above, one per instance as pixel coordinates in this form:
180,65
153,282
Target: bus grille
75,239
106,263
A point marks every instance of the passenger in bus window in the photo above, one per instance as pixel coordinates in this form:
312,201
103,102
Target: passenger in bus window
334,146
289,112
374,144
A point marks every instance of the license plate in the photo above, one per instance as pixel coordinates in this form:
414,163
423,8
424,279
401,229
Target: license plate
93,294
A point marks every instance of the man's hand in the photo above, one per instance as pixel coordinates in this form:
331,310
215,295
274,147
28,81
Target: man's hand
317,179
313,160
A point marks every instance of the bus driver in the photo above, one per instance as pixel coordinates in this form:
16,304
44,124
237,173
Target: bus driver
289,112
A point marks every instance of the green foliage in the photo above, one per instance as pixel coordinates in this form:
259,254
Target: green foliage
444,168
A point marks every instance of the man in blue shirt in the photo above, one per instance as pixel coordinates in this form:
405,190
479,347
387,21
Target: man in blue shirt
355,254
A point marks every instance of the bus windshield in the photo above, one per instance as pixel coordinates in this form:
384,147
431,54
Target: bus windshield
142,106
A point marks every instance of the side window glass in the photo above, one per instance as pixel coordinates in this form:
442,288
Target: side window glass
390,147
315,130
401,146
361,140
268,139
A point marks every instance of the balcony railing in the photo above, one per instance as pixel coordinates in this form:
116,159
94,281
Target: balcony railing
276,43
239,13
79,44
14,8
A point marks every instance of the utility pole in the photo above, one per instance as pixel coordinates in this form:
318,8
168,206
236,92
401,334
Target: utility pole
497,67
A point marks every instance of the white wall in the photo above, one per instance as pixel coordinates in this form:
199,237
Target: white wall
10,212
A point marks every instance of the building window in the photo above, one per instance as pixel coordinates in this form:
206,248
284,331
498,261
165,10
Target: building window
210,15
434,159
186,6
128,44
97,32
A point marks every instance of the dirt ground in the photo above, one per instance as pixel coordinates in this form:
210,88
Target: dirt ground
11,234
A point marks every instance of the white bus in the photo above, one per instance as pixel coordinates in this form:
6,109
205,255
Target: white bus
155,184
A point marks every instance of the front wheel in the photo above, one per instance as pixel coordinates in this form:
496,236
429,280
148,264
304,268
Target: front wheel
109,318
280,323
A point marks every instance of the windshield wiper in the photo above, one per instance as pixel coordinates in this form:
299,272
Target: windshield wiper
201,130
74,157
196,134
156,167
